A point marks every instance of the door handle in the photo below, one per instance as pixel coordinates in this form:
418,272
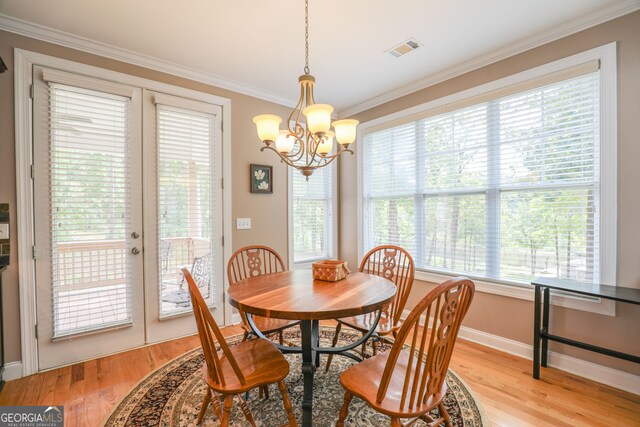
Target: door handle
135,235
135,251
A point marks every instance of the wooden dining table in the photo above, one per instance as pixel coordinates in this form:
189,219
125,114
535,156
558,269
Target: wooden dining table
295,295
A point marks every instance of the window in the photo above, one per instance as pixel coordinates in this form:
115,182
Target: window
186,150
504,185
89,179
311,209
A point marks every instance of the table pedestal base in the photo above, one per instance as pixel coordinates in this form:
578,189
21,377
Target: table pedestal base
310,360
311,350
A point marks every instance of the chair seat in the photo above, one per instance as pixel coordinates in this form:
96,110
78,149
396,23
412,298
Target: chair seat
269,325
363,380
363,323
260,362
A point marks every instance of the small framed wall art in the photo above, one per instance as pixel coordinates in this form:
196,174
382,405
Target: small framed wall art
261,179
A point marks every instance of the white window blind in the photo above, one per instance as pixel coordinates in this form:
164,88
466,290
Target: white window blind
90,214
186,203
505,189
312,215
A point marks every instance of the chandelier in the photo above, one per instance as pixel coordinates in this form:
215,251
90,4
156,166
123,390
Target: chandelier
306,145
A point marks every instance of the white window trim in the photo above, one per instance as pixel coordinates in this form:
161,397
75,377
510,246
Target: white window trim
333,214
606,54
23,63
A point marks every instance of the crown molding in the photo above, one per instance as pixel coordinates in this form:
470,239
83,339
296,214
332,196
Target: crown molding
567,29
61,38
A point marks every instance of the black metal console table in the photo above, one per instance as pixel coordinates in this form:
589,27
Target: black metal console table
541,334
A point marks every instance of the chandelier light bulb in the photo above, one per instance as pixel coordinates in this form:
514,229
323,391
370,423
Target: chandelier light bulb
318,117
326,144
268,126
345,131
284,142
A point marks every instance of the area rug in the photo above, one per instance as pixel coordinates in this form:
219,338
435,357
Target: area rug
172,395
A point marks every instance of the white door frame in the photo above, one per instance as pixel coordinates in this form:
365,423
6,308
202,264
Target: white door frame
23,64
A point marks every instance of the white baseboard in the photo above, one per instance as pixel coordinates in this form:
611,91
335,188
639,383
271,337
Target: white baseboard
12,371
591,371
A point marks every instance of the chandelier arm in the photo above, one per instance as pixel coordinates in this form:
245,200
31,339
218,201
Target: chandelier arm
300,132
282,158
297,155
297,108
293,154
329,159
313,152
310,98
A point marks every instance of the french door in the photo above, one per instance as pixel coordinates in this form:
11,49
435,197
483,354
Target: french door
124,197
183,220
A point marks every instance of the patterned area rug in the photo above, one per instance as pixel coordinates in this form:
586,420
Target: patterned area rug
172,395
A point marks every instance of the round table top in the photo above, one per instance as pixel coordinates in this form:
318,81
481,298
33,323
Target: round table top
295,295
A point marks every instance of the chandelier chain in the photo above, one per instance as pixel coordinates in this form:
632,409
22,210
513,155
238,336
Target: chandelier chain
306,36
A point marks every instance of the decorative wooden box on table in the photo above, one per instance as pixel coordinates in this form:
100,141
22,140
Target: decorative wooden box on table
330,270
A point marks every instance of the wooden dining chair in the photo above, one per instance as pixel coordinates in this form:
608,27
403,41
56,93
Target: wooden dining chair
393,263
252,261
410,383
234,370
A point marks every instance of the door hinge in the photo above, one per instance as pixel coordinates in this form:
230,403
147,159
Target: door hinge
33,171
222,183
36,330
221,126
222,240
31,91
33,251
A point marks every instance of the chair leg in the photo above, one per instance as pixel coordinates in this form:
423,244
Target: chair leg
281,338
247,412
245,336
226,414
344,411
287,404
333,344
364,345
395,422
444,414
374,344
264,391
216,405
205,405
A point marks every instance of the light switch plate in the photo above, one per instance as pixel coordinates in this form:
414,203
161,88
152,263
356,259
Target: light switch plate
243,223
4,231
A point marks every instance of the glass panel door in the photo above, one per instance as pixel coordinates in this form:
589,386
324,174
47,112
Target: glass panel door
183,148
87,204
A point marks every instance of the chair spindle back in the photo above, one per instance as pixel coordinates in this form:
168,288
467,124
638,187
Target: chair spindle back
209,331
443,308
252,261
393,263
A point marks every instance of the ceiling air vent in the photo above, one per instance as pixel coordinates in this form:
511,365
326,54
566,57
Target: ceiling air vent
404,48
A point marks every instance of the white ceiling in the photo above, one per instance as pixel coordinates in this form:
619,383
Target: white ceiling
259,44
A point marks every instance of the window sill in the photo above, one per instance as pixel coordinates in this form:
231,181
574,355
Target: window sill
526,292
306,264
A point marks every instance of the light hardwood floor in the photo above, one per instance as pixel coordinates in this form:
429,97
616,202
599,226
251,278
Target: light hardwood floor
502,383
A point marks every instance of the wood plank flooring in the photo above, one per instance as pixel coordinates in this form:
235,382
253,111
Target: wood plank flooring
501,382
